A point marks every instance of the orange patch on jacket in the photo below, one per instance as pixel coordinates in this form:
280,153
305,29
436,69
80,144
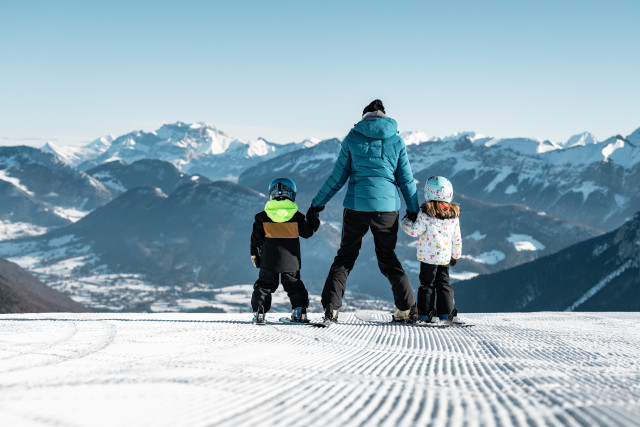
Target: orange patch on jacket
281,230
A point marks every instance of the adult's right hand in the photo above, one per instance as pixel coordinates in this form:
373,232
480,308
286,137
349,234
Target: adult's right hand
314,210
313,216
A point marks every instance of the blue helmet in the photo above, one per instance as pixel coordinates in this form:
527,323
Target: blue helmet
438,188
282,188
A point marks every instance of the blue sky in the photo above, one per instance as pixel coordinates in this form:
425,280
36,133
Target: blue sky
71,71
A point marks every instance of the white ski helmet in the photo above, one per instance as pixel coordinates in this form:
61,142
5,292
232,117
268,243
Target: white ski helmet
438,188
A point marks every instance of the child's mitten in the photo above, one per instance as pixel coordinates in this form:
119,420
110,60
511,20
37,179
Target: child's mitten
255,260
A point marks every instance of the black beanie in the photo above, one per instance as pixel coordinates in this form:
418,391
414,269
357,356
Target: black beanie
375,105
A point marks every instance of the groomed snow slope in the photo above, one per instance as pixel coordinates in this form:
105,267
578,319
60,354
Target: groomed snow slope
219,369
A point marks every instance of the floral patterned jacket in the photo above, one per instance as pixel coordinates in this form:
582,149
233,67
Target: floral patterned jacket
439,240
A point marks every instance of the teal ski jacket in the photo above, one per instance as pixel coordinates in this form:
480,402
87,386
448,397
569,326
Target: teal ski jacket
374,159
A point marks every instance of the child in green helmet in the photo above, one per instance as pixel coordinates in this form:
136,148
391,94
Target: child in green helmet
275,250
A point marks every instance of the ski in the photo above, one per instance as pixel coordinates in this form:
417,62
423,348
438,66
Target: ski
382,317
443,324
374,316
288,320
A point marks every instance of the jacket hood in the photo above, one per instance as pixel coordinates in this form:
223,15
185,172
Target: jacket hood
377,127
280,210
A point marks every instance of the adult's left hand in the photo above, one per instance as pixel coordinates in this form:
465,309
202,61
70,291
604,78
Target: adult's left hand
413,216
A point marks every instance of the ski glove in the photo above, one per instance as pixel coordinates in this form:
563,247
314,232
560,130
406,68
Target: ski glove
315,210
413,216
453,262
255,260
313,217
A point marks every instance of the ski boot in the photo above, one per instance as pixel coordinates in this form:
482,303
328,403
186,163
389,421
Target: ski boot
449,319
299,315
405,316
330,317
427,318
258,316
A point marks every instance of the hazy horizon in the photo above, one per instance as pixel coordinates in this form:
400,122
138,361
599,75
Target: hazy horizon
286,71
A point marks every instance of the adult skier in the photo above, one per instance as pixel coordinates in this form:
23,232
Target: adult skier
374,159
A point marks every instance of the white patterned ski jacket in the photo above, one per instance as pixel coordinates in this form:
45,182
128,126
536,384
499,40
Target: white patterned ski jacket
439,240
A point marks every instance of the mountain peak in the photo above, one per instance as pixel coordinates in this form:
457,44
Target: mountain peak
580,140
414,137
634,138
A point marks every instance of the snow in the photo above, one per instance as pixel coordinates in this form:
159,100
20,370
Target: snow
511,189
527,146
473,136
611,148
60,241
524,242
71,214
462,275
621,201
258,148
587,188
311,142
411,266
414,138
13,230
476,235
219,369
501,176
598,250
109,181
491,257
580,140
335,225
15,181
600,285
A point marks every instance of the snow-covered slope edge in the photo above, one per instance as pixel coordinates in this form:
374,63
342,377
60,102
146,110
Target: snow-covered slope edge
196,370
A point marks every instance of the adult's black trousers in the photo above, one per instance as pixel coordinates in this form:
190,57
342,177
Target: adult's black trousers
267,284
384,227
435,291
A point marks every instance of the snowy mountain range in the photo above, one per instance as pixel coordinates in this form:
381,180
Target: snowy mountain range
121,177
146,246
150,224
594,184
197,148
582,179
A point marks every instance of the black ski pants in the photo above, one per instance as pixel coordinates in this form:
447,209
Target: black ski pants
435,291
384,227
267,284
